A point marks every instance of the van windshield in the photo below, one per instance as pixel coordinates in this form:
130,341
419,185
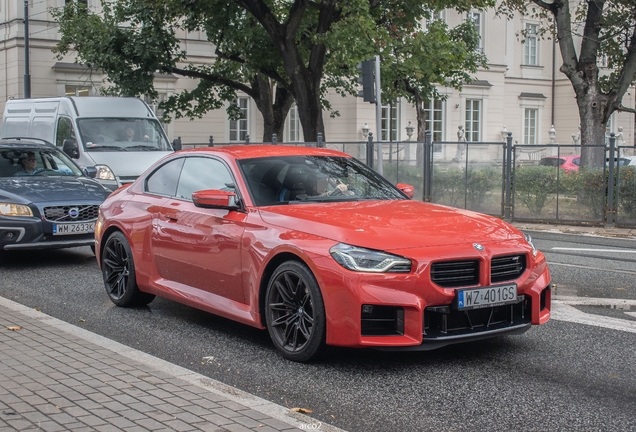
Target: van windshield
122,134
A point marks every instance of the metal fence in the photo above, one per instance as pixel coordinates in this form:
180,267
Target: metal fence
514,182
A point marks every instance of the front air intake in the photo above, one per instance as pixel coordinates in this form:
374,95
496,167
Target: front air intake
450,274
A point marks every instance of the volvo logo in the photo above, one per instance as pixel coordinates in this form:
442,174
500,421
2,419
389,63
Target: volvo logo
73,212
478,246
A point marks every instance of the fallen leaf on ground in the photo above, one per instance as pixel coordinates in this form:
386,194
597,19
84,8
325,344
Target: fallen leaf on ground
14,328
302,410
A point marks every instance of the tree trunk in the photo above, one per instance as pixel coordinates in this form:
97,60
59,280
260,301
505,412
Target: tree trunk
593,110
274,114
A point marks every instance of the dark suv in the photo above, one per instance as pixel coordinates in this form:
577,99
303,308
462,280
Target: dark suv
46,200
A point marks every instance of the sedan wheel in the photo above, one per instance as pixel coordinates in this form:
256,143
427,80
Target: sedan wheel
295,312
118,270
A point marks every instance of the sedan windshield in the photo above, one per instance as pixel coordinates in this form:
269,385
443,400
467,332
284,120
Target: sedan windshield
34,161
305,179
122,134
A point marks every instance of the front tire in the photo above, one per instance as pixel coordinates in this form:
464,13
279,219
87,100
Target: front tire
118,270
295,313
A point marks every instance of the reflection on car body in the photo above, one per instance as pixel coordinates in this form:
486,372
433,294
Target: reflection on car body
243,232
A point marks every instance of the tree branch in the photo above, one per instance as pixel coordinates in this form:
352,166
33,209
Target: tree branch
214,78
625,109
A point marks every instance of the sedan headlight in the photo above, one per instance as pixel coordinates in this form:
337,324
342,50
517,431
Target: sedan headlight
367,260
9,209
104,173
529,240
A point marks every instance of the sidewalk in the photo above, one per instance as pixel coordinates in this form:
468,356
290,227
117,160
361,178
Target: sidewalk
58,377
575,229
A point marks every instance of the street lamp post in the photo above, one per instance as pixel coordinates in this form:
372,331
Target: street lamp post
27,76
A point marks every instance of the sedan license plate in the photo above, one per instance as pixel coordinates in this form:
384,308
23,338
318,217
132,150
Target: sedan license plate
475,298
74,228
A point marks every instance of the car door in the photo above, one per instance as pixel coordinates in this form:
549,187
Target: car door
197,247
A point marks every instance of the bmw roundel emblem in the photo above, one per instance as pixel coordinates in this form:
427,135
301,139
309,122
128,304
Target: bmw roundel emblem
478,246
73,212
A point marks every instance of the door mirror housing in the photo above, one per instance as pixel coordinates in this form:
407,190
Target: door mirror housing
69,146
213,198
90,171
407,189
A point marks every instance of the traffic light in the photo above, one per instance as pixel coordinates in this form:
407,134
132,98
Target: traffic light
367,79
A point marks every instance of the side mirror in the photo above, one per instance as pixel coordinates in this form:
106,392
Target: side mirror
213,198
408,190
90,171
70,148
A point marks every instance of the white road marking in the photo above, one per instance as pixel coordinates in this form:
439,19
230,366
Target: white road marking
590,268
631,314
594,250
562,311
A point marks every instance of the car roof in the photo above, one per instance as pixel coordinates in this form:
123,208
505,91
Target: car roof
35,143
250,151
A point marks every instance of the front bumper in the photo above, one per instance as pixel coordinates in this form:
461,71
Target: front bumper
29,234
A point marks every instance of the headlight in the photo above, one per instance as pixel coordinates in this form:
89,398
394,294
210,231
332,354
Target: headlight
367,260
529,240
8,209
104,173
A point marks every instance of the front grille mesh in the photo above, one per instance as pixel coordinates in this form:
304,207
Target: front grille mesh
507,268
449,274
63,213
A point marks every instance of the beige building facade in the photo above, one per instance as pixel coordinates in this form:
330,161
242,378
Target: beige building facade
522,91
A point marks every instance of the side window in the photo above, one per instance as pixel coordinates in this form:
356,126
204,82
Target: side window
164,180
203,173
64,131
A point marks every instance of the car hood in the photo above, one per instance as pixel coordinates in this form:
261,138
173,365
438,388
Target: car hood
390,225
127,163
28,189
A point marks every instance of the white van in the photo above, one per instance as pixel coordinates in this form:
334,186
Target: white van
121,137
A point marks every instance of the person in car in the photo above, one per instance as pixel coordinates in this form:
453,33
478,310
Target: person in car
27,165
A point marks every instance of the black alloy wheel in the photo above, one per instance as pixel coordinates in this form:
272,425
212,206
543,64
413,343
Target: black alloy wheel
118,270
295,312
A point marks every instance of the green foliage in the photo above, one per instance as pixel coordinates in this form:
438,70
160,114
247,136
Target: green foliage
451,186
534,185
588,186
304,48
626,188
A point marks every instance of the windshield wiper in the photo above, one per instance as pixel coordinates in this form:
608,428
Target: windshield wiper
142,147
105,147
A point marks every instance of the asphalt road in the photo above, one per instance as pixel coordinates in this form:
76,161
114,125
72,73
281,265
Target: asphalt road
564,375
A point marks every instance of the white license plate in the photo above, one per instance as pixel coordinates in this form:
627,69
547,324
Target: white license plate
475,298
74,228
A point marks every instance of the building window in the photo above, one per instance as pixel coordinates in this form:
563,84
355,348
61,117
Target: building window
530,126
238,128
390,122
473,120
477,18
530,46
434,121
77,91
294,129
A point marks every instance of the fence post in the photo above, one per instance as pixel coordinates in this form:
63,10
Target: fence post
508,170
320,143
176,144
611,184
211,141
274,139
247,139
428,166
370,150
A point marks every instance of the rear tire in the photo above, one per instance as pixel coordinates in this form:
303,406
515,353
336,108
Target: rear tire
295,313
118,270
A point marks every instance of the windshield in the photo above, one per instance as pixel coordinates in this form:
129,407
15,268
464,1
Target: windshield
33,161
306,179
122,134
